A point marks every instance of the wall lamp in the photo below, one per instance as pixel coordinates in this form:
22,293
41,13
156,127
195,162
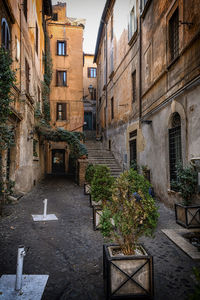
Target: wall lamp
30,135
90,88
148,122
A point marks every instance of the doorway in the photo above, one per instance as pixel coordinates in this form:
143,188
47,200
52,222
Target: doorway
88,120
58,161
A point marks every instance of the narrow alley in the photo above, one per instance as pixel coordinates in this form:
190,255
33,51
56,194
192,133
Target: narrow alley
70,252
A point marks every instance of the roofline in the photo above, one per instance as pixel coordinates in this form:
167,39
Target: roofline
101,26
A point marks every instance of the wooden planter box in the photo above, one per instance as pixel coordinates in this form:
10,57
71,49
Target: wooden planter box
97,212
187,216
94,203
127,277
87,189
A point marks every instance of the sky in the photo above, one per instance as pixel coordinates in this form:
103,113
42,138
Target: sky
91,10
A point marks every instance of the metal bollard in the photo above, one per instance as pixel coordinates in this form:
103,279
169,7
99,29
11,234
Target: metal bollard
45,209
20,259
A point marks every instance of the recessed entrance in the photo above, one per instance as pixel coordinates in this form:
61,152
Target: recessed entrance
58,161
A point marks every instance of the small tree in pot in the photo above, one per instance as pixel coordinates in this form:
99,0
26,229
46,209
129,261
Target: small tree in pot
89,173
131,213
187,215
101,191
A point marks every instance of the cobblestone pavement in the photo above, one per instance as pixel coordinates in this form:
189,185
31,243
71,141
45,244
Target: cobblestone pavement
71,252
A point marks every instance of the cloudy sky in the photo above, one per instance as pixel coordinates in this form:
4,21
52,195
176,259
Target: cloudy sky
91,10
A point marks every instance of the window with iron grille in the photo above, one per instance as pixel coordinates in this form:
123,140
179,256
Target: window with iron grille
27,76
175,149
25,9
133,134
61,111
134,86
5,34
36,38
61,79
133,151
61,48
174,35
112,108
92,72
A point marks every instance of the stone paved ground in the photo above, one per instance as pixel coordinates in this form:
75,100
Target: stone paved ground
71,252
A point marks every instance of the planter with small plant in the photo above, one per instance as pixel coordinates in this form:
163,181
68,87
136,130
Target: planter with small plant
89,173
130,213
187,215
101,191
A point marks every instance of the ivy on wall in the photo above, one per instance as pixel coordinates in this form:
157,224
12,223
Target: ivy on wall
7,80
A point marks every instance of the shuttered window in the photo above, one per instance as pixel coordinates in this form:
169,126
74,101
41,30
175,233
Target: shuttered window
36,38
112,108
5,34
61,79
174,34
61,111
25,9
92,72
27,76
134,86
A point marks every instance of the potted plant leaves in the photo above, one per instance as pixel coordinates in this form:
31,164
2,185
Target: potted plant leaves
130,213
101,191
187,215
89,173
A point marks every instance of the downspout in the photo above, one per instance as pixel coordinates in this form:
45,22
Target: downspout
20,47
140,70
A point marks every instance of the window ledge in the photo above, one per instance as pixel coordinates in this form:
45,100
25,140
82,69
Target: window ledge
61,86
62,55
35,158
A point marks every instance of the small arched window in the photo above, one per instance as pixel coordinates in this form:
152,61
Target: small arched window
175,148
5,34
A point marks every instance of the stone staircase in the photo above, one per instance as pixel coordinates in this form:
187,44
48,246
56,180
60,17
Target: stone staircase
99,156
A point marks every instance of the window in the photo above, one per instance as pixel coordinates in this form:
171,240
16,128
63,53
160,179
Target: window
92,72
55,17
132,26
35,150
5,34
17,49
175,149
134,86
61,47
133,148
36,38
61,111
27,75
174,35
25,9
61,78
112,108
143,4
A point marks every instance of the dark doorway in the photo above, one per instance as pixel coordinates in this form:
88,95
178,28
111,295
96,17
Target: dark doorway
133,151
88,120
58,161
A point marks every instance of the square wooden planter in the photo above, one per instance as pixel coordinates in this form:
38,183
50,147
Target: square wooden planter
127,277
187,216
97,212
86,189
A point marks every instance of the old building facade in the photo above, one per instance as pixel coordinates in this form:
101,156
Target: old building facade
89,92
148,86
22,33
66,96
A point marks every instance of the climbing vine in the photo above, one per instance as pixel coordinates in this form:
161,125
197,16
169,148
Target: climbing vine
48,70
7,80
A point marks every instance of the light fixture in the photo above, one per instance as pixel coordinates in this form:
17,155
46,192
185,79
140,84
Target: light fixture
30,135
90,88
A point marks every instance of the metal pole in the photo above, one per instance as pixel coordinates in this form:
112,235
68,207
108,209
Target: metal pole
20,258
45,209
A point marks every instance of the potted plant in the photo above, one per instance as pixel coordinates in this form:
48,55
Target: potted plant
187,215
130,213
101,191
89,173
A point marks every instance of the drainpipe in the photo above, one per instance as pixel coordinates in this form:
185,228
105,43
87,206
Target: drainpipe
140,70
20,69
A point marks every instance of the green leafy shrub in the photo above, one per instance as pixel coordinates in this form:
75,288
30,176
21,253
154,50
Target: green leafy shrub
186,183
196,294
101,185
132,209
89,173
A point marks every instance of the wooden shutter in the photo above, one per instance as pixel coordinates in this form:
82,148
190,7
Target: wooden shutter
88,72
64,111
65,48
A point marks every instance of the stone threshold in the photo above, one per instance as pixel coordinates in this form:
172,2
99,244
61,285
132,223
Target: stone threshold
175,235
